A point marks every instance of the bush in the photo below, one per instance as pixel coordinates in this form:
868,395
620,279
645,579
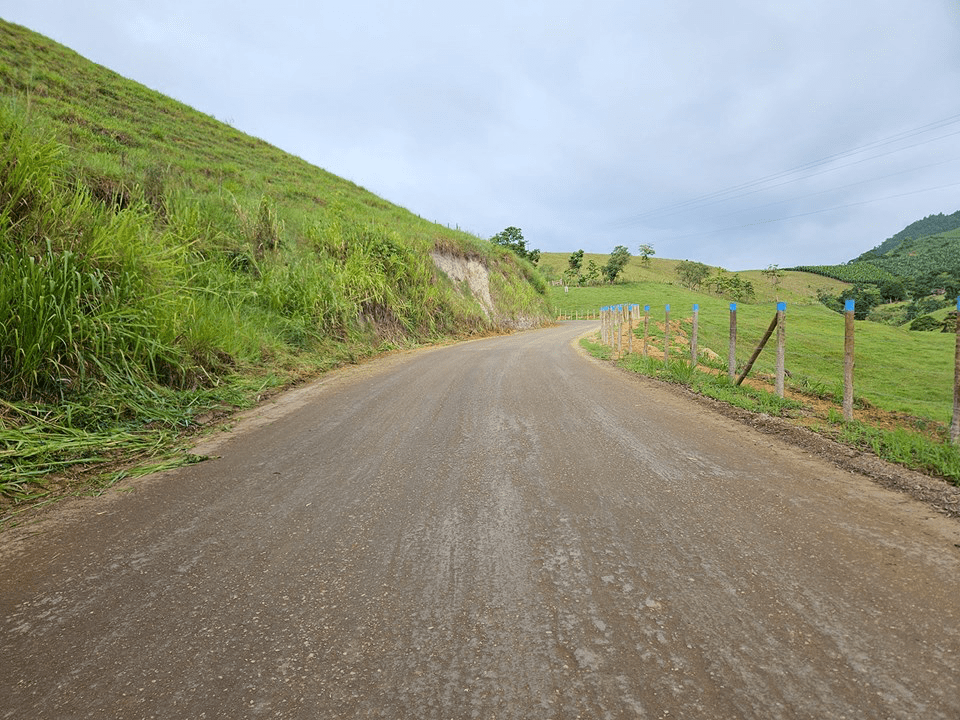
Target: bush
926,323
691,273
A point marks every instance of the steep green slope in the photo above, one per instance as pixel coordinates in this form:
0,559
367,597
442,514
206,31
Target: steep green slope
157,266
930,225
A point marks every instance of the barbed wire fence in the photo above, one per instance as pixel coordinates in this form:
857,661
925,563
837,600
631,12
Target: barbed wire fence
822,363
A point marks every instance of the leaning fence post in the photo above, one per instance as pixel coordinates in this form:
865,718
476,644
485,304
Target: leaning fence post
646,327
693,335
955,425
756,353
848,358
781,346
732,353
666,336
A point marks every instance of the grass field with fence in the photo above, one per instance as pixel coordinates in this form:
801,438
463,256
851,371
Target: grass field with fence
896,369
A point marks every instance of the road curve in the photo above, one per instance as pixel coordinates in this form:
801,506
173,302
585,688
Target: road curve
497,529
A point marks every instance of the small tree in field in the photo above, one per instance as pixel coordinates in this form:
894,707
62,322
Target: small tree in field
646,252
592,274
618,260
573,274
775,275
692,273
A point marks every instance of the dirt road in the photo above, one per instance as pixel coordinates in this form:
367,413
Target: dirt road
498,529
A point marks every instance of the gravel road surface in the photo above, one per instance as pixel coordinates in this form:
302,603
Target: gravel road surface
497,529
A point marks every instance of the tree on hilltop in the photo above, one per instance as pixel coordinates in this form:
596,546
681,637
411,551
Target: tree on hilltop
775,275
646,252
512,239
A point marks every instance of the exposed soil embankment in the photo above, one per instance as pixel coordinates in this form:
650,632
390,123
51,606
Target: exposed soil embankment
471,271
472,278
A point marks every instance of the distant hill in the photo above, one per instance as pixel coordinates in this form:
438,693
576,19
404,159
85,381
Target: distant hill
930,225
924,256
917,257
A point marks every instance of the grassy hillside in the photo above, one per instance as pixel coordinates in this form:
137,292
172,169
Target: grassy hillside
158,267
794,287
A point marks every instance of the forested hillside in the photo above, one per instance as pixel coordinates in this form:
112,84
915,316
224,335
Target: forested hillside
930,225
923,270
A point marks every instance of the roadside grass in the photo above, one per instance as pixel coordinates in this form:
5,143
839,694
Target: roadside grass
904,447
718,387
158,267
924,446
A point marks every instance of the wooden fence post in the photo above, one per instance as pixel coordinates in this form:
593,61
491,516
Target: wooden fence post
848,359
732,352
781,345
646,327
666,337
693,335
630,308
620,330
955,425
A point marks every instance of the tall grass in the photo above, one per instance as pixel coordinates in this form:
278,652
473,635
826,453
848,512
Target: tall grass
129,305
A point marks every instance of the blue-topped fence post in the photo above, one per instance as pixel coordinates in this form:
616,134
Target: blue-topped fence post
666,336
693,335
781,345
619,325
732,351
848,359
646,327
955,425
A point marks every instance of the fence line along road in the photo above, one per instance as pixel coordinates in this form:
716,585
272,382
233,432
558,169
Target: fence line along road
821,360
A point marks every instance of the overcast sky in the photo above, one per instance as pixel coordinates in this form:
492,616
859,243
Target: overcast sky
740,134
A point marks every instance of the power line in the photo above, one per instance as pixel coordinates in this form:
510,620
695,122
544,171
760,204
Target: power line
718,195
815,212
837,188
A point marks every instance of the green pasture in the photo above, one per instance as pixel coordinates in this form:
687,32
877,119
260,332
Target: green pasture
896,369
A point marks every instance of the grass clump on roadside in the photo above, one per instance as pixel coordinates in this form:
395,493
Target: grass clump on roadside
718,387
903,447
